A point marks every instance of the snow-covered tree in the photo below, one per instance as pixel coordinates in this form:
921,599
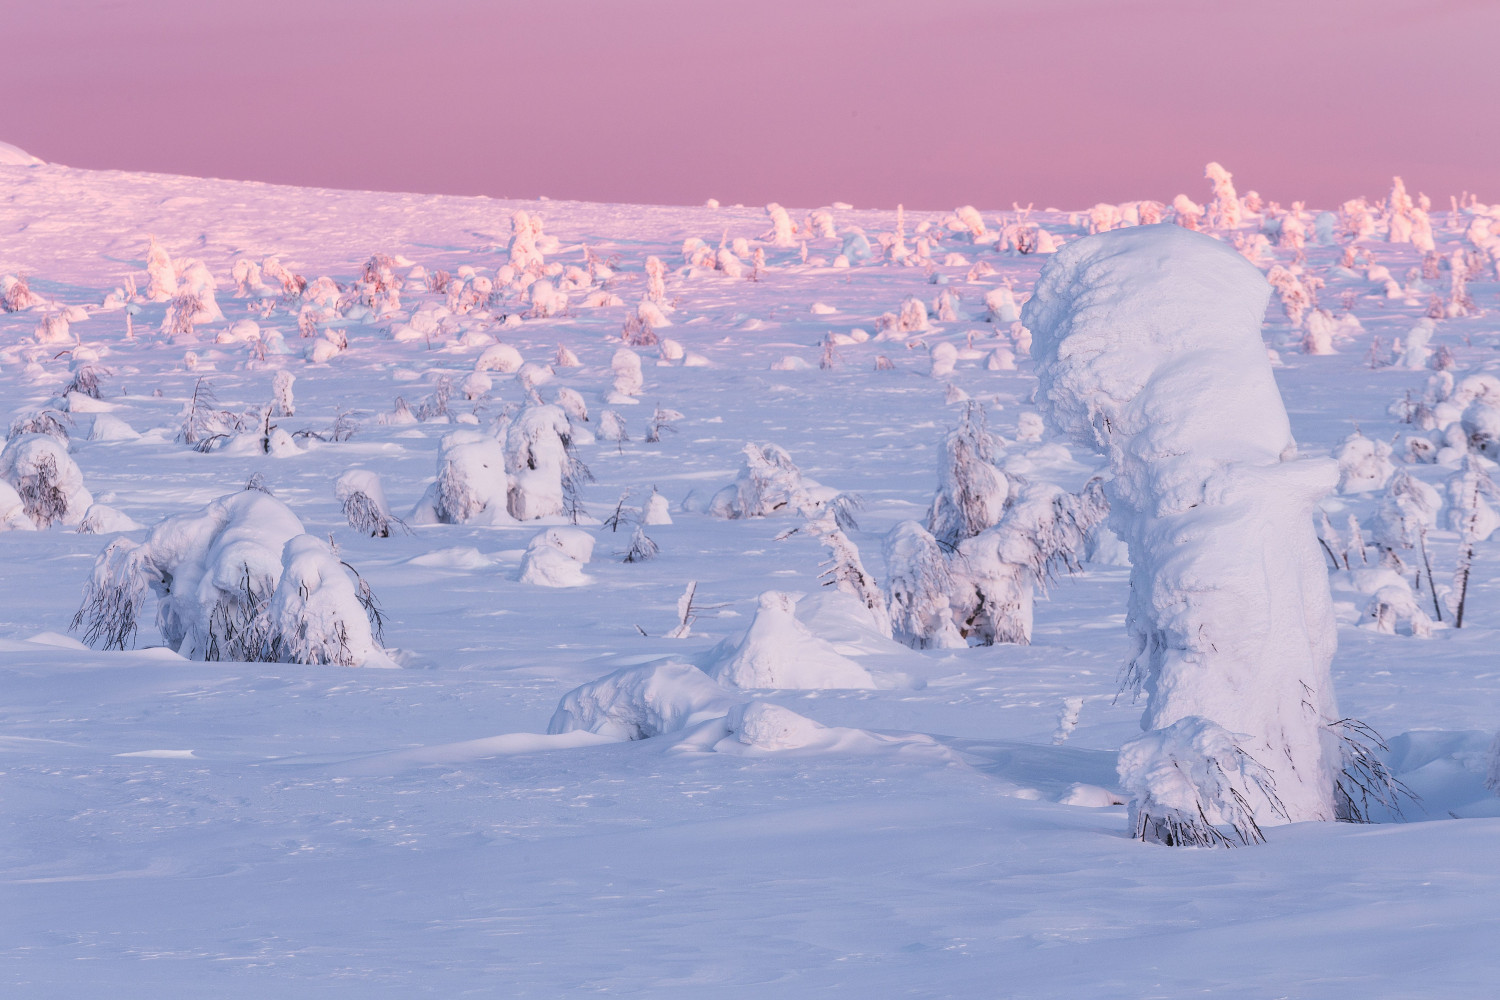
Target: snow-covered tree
1224,211
545,475
1149,350
971,491
917,587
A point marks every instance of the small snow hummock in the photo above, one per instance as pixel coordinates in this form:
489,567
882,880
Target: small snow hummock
1149,350
638,703
778,651
556,557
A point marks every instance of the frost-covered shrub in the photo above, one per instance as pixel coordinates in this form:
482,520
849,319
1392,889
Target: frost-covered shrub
1295,297
1364,465
917,587
1001,305
236,580
546,477
101,519
319,614
501,358
1406,513
638,703
45,479
656,280
362,498
778,651
971,491
1187,213
556,557
844,570
1393,605
281,387
471,484
16,294
1149,350
161,275
995,574
769,482
855,248
524,253
657,509
1193,784
379,287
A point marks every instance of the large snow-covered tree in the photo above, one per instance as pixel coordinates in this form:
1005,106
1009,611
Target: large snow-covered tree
1148,349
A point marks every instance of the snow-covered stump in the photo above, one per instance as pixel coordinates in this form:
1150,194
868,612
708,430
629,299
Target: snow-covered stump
1148,349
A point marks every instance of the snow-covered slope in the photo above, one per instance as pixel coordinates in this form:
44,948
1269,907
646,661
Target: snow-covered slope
952,828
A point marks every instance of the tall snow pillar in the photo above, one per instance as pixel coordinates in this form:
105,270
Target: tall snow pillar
1148,348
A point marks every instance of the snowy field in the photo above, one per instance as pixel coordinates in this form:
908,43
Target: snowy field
950,825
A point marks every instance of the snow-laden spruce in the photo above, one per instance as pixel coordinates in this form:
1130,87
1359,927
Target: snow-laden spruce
238,579
1148,349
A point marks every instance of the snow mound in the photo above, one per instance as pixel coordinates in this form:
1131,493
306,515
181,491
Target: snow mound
556,557
638,703
765,726
778,651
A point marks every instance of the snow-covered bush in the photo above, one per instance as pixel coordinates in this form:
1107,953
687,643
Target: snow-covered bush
769,482
656,280
626,365
16,294
319,613
1149,350
281,388
471,484
782,232
1364,465
637,703
236,580
161,275
971,491
778,651
362,498
545,476
917,587
556,557
45,479
996,573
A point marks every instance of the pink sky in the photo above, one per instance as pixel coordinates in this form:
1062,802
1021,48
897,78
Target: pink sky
934,103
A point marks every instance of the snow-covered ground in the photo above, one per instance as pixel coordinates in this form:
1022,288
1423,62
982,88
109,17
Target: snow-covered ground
171,827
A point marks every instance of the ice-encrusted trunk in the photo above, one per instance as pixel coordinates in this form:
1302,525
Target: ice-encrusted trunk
1148,349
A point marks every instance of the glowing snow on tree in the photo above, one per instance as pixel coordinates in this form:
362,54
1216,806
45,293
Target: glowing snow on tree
1148,349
